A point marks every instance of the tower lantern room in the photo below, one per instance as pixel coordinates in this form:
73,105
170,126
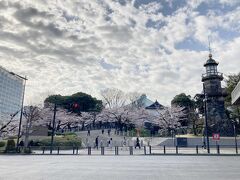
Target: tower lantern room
211,66
211,70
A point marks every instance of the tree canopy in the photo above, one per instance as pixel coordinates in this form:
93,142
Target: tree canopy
76,102
183,100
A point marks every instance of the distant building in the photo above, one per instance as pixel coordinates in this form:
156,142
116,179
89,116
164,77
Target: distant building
155,106
236,95
146,103
11,93
218,121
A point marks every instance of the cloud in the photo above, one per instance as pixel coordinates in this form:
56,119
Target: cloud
81,45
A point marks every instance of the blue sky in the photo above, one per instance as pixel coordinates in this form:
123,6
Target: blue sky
156,47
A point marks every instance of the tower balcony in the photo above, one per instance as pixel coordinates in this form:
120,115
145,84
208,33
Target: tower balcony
216,75
236,95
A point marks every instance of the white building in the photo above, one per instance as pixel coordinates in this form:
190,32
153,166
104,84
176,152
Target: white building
11,94
236,95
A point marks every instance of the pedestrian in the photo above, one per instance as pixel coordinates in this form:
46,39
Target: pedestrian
137,143
124,141
96,142
21,144
109,131
88,133
101,143
141,143
87,142
204,145
102,131
30,143
110,143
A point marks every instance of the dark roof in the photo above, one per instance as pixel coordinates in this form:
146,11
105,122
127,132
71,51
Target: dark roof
155,105
210,61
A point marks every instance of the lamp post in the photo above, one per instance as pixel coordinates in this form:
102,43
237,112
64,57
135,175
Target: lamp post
21,113
206,118
235,135
53,126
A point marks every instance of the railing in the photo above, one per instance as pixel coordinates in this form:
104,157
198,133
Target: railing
131,150
236,94
206,75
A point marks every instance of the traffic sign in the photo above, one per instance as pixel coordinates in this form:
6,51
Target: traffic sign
216,136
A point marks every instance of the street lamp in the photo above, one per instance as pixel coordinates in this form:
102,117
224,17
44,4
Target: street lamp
20,121
235,134
206,117
53,125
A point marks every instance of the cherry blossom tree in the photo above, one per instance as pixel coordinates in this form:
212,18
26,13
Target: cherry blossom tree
169,118
64,118
9,125
32,115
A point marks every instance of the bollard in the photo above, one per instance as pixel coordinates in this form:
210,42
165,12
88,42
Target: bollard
176,149
77,150
43,150
131,150
150,149
197,149
145,150
116,150
89,150
58,150
218,149
164,149
102,150
236,149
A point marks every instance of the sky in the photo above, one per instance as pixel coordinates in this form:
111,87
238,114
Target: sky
145,46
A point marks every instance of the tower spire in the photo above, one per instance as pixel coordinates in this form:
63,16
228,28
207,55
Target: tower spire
209,48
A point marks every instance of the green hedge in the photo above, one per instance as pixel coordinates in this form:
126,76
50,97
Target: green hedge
10,148
143,132
62,141
2,143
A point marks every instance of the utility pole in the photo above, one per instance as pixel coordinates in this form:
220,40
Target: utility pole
206,118
235,136
53,126
21,113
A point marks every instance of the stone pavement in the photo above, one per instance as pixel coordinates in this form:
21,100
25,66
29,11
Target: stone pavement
119,167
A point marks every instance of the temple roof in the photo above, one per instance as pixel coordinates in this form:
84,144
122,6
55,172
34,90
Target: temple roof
155,105
143,101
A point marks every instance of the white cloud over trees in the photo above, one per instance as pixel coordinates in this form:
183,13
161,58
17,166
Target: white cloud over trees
60,45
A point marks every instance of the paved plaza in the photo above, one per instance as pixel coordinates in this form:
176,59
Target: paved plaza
119,167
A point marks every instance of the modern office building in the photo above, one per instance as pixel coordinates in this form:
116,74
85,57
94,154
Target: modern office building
11,93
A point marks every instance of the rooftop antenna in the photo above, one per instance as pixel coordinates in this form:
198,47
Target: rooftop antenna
209,47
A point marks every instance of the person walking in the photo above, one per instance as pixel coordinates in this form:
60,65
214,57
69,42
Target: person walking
102,131
109,130
88,133
96,142
87,143
101,143
110,143
137,143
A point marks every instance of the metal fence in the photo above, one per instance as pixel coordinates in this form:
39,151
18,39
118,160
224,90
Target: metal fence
131,150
